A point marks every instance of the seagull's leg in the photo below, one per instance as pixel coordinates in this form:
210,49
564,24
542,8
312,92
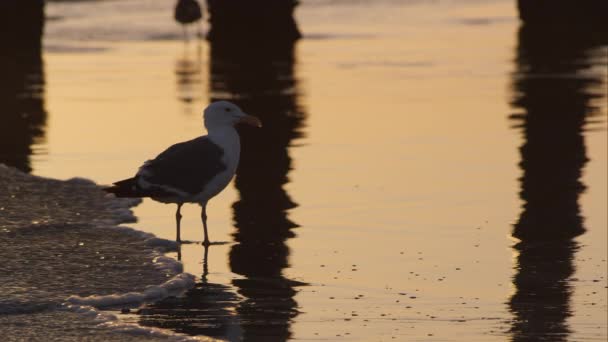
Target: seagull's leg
185,32
205,264
179,252
178,219
204,218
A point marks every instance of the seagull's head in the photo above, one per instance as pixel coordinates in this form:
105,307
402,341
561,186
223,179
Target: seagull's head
224,113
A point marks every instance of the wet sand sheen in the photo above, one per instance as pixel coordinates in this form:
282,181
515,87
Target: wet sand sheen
394,181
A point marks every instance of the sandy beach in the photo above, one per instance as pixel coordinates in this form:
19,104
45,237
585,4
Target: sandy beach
413,180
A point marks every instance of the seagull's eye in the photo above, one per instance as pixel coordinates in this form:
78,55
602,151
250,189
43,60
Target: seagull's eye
227,109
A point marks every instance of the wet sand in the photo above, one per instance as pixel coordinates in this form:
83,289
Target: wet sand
404,145
62,246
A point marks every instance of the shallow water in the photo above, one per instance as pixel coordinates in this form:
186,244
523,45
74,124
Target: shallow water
404,143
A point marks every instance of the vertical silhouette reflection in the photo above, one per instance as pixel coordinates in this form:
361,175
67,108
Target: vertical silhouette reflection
255,71
254,68
188,73
22,113
555,89
252,23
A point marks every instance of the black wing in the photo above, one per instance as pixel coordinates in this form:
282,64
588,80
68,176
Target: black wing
186,166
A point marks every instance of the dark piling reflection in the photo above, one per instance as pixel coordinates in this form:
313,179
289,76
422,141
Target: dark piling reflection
254,68
252,23
556,91
22,113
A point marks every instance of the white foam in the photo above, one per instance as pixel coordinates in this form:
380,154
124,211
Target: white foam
173,287
89,311
167,264
177,285
120,210
108,300
110,321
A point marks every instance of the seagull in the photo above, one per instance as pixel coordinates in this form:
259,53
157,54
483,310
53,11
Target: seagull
193,171
186,12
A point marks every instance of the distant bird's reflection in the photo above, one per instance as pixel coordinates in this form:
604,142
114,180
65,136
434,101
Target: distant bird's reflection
22,113
554,90
188,73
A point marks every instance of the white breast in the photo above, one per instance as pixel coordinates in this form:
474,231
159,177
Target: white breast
228,140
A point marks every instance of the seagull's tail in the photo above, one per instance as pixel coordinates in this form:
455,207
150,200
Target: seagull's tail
125,188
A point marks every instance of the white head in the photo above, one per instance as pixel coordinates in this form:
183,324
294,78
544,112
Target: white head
226,114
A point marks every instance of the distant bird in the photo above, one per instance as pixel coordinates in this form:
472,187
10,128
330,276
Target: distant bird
187,12
193,171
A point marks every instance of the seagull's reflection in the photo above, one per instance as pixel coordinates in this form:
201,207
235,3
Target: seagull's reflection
205,259
188,74
22,112
207,309
554,87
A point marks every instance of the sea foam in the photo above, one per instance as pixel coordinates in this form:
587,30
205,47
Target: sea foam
111,322
67,252
173,287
